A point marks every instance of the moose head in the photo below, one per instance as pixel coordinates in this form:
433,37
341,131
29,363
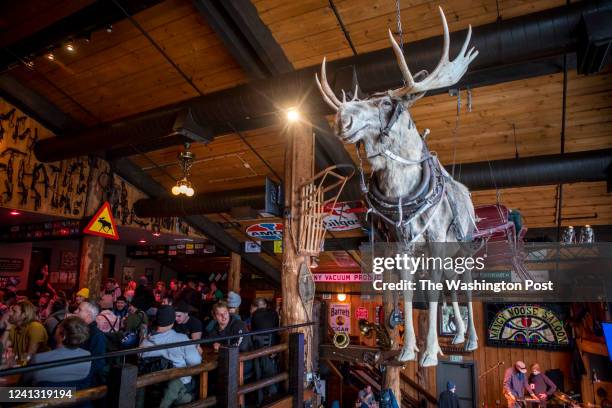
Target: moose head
363,120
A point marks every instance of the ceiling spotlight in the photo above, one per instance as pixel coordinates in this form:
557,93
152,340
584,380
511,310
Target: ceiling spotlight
15,212
293,115
70,47
109,28
142,241
157,234
50,56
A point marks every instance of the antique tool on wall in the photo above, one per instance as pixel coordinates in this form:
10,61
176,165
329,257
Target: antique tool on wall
367,329
16,135
341,340
23,190
54,198
30,144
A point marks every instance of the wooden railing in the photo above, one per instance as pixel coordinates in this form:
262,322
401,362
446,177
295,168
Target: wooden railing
124,381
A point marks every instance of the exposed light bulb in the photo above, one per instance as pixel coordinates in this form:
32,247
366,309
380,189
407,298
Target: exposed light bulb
50,56
190,192
176,190
184,189
70,47
293,115
341,297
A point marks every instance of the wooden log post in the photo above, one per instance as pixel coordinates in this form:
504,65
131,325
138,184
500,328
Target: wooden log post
227,382
92,247
296,369
90,270
122,386
392,373
299,167
233,280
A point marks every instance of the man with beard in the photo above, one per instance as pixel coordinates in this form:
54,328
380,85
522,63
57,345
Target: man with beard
23,333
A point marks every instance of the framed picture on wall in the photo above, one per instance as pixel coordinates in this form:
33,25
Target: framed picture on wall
448,326
128,273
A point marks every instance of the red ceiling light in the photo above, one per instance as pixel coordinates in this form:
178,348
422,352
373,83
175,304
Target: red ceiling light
142,241
15,212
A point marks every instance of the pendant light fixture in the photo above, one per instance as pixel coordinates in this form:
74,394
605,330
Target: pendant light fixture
183,186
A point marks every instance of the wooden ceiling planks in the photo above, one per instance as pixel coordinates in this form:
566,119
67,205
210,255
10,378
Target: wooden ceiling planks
225,164
120,73
308,30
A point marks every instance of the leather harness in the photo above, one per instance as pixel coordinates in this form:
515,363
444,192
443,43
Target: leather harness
401,212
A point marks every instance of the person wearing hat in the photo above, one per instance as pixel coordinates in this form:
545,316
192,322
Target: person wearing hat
515,384
136,316
180,390
541,385
233,302
190,326
448,398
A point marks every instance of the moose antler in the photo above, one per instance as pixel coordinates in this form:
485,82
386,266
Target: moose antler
328,94
446,73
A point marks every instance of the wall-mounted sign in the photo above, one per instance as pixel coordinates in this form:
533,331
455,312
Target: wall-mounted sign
527,325
361,313
41,231
343,217
251,247
11,264
102,224
340,317
151,251
266,231
342,277
278,247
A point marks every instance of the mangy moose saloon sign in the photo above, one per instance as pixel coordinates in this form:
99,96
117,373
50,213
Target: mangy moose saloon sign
527,325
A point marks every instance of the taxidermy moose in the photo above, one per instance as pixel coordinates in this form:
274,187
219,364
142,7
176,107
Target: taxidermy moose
409,189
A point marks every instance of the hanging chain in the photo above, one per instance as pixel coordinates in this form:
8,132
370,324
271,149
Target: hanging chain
399,30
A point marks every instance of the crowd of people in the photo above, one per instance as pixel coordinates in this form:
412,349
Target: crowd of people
48,326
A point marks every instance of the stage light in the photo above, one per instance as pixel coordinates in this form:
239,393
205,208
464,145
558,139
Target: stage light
293,115
341,297
15,212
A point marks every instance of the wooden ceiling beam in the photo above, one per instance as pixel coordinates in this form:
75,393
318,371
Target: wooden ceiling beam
247,38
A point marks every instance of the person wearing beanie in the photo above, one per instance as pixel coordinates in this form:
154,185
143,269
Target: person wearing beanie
233,302
180,390
190,326
448,398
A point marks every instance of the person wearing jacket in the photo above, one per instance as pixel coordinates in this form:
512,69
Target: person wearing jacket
178,391
515,384
448,398
543,386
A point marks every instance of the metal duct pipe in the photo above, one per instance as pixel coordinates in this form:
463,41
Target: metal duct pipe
595,165
508,43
